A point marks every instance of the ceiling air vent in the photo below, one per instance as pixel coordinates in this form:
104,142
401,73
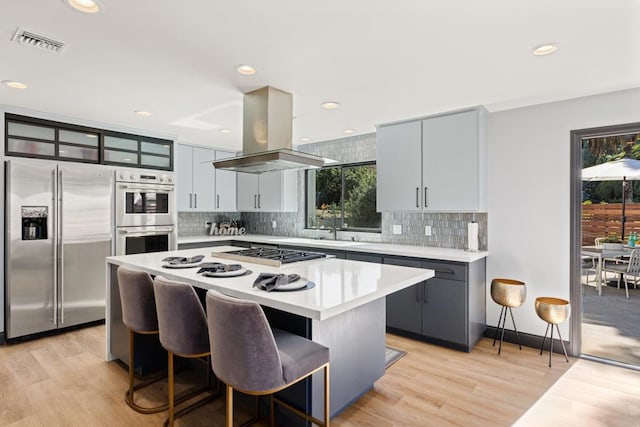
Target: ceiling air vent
36,40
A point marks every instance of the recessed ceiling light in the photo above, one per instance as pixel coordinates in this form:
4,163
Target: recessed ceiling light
14,85
92,135
225,131
545,49
330,105
85,6
245,69
349,131
126,159
305,139
142,113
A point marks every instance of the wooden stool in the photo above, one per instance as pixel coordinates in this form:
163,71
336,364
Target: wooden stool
508,293
553,311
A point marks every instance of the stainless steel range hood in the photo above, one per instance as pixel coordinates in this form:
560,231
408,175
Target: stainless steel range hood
266,137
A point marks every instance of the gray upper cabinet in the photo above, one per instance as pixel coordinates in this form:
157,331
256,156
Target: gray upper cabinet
195,180
268,192
247,192
434,164
399,167
225,185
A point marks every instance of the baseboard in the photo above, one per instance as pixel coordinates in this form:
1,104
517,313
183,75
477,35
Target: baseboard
51,332
529,340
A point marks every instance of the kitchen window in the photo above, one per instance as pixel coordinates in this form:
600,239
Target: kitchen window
342,197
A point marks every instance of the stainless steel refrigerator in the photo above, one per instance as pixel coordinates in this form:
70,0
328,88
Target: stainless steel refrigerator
58,232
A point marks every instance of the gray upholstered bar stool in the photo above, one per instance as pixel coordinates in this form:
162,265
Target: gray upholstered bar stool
183,332
553,311
248,356
139,316
508,293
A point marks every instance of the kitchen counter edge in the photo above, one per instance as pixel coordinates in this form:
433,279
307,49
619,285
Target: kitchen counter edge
425,252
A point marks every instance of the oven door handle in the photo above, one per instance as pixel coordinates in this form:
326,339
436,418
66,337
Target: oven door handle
156,189
145,233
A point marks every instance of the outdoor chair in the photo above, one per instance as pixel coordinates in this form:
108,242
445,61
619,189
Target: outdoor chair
589,266
626,269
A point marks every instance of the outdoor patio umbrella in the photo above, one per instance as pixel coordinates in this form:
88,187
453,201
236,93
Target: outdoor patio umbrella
617,170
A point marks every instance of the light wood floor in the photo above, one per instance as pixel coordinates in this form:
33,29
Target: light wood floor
64,381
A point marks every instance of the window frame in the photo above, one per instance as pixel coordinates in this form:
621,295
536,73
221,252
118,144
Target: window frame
342,168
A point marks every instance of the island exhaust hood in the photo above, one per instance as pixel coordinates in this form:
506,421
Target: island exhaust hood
266,137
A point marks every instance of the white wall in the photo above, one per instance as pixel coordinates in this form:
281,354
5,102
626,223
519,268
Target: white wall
529,206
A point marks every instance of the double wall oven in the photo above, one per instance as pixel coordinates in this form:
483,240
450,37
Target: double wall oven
145,212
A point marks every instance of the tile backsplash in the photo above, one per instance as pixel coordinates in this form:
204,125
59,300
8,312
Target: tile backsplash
193,223
448,230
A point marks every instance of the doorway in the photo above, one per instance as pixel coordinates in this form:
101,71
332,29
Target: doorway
605,324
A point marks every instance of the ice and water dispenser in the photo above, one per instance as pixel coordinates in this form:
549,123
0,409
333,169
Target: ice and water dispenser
34,222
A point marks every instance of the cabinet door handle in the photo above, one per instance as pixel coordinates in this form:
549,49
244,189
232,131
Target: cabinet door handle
255,201
417,197
424,295
190,200
195,200
447,271
217,201
426,205
418,293
259,201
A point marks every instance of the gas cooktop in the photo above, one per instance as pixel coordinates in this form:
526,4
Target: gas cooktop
270,256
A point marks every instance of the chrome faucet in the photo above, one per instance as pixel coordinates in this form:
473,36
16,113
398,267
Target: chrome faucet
335,228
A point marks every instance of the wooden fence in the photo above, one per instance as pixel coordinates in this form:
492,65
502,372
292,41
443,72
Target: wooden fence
599,220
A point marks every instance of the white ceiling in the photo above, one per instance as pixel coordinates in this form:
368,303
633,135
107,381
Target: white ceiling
382,60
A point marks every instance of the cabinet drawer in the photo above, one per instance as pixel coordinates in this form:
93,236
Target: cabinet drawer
445,270
364,257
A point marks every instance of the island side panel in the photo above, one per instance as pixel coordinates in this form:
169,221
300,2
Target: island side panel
356,340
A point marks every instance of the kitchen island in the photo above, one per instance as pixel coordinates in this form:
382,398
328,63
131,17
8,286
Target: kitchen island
345,311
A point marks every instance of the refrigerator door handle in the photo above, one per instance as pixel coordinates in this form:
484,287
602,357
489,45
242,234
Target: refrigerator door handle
55,249
61,249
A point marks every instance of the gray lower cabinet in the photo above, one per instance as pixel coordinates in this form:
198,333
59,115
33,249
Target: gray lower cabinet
404,308
355,256
448,309
444,313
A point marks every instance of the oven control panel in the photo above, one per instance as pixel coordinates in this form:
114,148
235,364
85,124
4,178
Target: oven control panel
123,175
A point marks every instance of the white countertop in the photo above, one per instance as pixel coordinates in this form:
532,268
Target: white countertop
341,285
444,254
